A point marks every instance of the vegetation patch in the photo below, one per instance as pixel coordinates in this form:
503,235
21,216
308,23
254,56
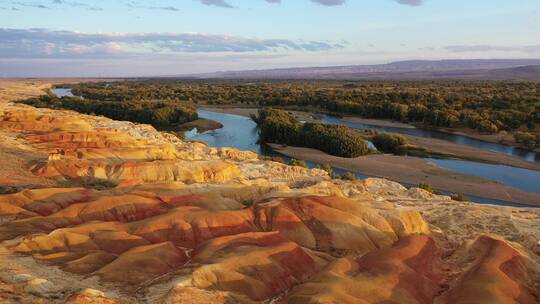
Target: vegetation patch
527,139
458,197
90,183
280,127
157,113
329,170
428,188
388,143
297,163
348,176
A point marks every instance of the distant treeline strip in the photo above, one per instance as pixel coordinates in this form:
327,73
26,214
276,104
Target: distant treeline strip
156,113
486,106
278,126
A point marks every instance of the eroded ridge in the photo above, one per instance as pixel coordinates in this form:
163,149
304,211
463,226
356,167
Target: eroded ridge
134,237
121,213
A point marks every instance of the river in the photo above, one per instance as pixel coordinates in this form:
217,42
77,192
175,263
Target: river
241,132
62,92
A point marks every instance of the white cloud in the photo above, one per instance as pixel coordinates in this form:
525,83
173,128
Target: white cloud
410,2
329,2
36,43
220,3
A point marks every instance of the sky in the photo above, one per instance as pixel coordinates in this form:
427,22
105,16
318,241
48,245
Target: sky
120,38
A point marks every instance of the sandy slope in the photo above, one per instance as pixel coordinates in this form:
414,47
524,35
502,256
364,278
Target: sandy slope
17,89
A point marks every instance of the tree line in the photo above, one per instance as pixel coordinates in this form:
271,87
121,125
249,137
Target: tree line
485,106
156,113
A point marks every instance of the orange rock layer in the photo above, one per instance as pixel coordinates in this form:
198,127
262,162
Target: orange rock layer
307,249
183,227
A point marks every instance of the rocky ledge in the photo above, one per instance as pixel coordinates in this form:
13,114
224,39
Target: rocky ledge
101,211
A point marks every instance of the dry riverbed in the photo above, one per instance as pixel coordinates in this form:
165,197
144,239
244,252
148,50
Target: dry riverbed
414,171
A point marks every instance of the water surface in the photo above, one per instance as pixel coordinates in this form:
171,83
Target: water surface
62,92
241,132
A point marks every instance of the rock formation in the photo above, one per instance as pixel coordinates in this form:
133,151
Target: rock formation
101,211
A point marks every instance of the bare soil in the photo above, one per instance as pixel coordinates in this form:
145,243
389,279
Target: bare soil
414,171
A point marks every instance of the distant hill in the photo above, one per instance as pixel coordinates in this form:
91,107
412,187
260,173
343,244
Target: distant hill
496,69
523,72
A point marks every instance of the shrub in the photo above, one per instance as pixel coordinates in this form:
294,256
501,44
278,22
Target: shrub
348,176
527,139
458,197
426,187
297,163
329,170
388,143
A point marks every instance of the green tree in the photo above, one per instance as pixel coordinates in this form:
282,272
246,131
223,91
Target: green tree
388,143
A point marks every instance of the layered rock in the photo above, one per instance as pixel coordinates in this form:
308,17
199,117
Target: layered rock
495,272
413,271
126,214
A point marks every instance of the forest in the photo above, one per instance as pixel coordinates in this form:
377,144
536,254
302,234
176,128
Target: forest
278,126
160,114
485,106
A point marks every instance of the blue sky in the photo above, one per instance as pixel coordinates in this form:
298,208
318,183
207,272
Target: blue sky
168,37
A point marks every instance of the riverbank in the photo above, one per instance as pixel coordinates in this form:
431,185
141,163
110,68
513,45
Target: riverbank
490,138
248,112
377,122
469,153
414,171
435,145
